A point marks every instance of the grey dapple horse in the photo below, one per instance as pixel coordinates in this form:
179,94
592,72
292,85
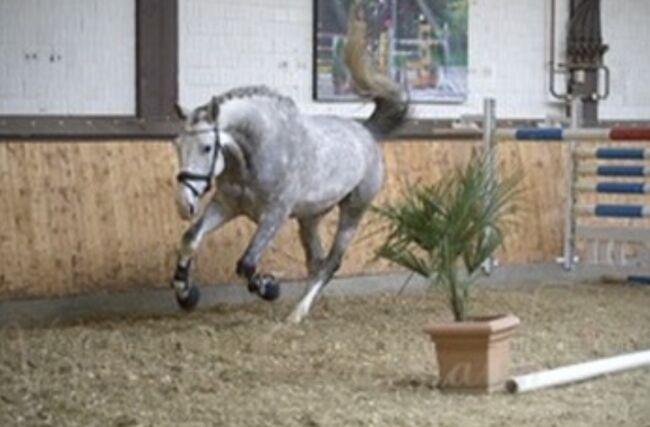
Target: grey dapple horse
272,163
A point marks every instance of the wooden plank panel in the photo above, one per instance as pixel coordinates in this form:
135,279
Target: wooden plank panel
82,217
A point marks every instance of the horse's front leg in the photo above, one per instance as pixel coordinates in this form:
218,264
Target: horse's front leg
216,214
268,226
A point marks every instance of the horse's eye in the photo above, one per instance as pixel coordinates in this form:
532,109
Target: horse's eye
206,149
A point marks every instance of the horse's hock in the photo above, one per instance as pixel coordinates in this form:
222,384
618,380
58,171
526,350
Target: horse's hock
82,217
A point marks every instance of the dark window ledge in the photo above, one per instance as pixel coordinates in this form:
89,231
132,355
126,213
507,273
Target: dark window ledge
125,128
91,128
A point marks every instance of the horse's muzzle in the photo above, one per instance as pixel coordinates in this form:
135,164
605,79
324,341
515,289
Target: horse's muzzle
186,202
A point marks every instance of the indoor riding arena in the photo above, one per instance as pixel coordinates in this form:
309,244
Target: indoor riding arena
324,213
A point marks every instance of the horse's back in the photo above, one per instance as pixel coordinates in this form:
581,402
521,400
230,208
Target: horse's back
309,162
340,155
339,142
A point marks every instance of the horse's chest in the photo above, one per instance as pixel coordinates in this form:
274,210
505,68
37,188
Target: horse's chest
242,198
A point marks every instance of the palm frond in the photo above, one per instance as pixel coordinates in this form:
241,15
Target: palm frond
459,219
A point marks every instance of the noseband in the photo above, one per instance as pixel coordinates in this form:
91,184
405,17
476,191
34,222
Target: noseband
186,177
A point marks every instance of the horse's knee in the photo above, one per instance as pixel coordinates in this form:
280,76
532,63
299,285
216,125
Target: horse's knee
188,238
191,234
182,273
335,265
315,265
328,268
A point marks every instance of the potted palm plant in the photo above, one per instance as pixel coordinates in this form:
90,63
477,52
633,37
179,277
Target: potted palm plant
446,232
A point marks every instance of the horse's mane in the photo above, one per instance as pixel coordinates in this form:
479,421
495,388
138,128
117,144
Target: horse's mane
210,111
245,122
253,91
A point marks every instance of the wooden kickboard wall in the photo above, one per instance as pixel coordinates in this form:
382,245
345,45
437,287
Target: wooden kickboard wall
78,217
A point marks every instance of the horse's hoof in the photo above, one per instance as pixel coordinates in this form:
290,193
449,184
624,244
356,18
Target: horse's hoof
266,286
191,300
271,291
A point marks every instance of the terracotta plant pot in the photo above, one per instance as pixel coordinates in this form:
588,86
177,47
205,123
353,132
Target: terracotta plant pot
473,356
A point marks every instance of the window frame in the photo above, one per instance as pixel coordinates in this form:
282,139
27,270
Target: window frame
156,87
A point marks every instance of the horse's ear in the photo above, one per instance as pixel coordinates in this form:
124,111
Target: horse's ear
213,110
181,112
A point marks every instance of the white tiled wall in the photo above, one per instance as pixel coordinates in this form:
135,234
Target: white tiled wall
627,32
507,56
67,57
224,43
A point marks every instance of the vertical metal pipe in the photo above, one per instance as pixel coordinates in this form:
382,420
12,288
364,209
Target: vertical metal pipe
552,67
569,256
489,149
489,125
392,40
585,50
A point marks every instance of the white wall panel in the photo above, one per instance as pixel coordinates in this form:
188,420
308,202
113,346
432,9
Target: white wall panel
225,43
67,57
626,31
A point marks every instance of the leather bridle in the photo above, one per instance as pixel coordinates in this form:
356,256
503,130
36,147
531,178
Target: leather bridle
186,178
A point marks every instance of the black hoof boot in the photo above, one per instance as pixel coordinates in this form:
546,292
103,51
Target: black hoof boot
264,285
191,300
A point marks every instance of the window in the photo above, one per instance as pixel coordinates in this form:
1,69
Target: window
88,68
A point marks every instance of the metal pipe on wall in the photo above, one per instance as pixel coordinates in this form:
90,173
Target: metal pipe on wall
584,61
585,51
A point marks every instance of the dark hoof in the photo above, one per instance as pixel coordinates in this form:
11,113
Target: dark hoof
266,286
270,292
191,300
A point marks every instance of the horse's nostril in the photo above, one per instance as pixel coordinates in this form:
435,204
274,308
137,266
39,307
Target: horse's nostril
191,210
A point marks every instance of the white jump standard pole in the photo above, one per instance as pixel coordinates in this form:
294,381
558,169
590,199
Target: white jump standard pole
569,246
578,372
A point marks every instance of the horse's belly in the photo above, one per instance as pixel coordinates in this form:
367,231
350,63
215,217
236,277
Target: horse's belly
307,209
321,199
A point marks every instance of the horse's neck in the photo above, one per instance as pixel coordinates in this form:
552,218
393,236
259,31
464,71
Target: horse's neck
252,119
235,152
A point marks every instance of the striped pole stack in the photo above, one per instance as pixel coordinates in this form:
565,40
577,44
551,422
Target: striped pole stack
600,153
561,134
614,170
619,164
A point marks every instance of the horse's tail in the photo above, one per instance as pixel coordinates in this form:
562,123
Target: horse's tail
391,104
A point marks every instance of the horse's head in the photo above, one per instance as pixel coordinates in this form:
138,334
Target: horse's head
200,156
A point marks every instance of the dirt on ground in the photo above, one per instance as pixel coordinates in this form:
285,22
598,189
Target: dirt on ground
360,361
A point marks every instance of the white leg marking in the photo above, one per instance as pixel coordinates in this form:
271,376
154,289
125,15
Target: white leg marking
182,289
302,309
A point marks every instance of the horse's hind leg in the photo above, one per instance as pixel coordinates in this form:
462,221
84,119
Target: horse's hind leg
351,211
215,215
311,243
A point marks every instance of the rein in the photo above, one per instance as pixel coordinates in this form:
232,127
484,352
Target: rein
186,177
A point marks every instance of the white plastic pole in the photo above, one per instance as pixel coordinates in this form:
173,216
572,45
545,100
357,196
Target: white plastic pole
578,372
